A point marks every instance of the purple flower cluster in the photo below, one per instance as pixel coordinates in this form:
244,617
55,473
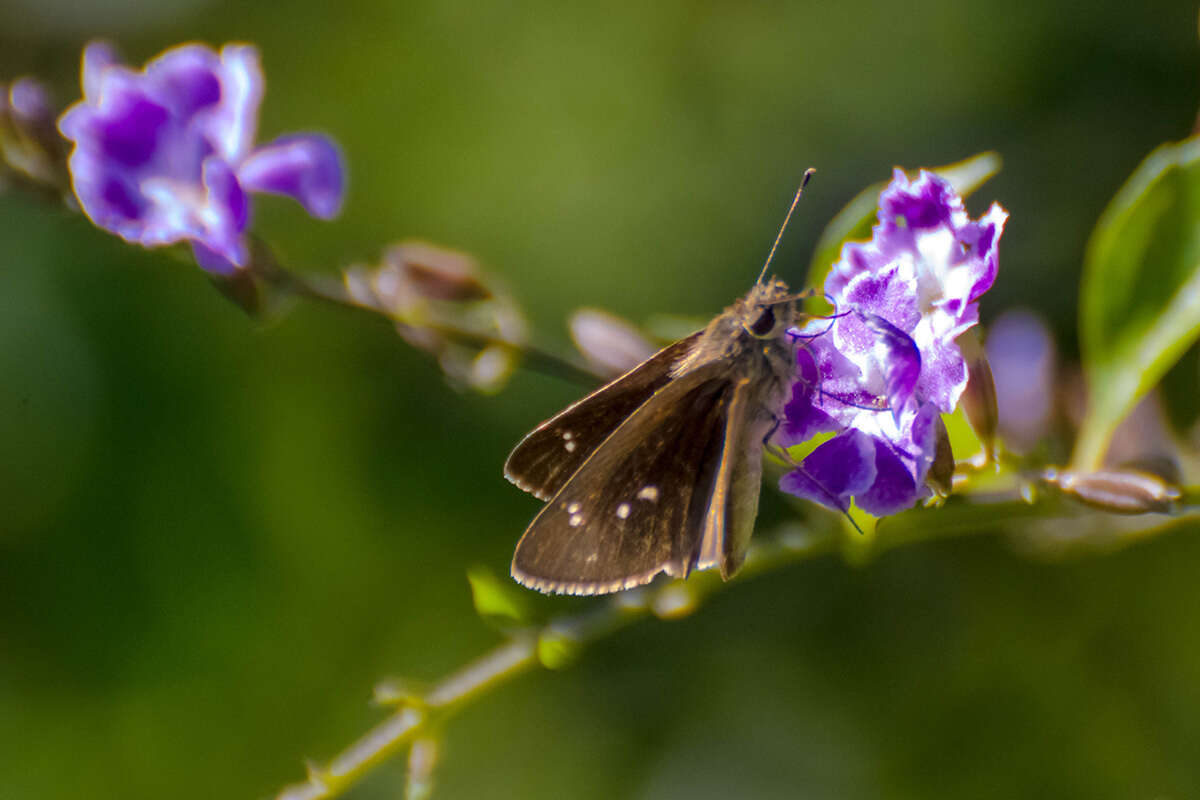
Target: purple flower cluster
166,154
878,374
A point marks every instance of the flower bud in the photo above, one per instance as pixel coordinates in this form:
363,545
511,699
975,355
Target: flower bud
610,344
1119,491
435,273
29,101
1021,352
940,477
29,142
444,304
979,398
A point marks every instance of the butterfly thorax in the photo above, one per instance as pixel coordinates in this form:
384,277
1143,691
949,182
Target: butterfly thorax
757,322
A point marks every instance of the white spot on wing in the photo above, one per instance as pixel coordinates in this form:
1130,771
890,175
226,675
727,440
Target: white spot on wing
623,511
570,446
648,493
573,508
576,520
568,436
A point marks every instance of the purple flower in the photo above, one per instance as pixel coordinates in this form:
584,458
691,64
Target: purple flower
878,373
166,154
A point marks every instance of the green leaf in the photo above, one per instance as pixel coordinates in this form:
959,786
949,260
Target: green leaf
1140,299
557,650
497,601
855,220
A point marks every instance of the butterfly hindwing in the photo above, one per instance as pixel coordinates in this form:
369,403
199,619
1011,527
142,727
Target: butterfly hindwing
615,523
733,505
545,459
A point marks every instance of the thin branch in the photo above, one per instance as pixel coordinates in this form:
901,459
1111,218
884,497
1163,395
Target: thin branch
334,293
422,761
553,645
556,644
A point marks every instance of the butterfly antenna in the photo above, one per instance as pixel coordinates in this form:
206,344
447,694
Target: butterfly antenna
803,182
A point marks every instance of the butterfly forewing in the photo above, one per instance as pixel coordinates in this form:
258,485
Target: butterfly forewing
550,455
615,524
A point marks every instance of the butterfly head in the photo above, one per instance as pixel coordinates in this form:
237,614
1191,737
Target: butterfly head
769,309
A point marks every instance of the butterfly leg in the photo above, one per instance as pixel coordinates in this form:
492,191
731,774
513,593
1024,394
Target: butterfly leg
778,451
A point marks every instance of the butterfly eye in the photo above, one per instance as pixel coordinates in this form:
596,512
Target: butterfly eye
763,324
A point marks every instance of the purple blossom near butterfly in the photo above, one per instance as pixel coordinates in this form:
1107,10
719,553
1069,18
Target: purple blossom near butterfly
166,154
879,373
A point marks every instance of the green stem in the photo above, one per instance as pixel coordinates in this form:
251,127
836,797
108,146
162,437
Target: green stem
556,643
526,650
412,722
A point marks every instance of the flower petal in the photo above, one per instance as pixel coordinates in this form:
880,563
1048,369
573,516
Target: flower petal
225,213
899,359
889,292
981,238
211,261
943,376
98,56
130,133
901,464
232,125
835,471
226,195
307,168
928,202
802,418
186,79
893,489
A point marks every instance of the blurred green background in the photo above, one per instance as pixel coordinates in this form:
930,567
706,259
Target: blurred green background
216,534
